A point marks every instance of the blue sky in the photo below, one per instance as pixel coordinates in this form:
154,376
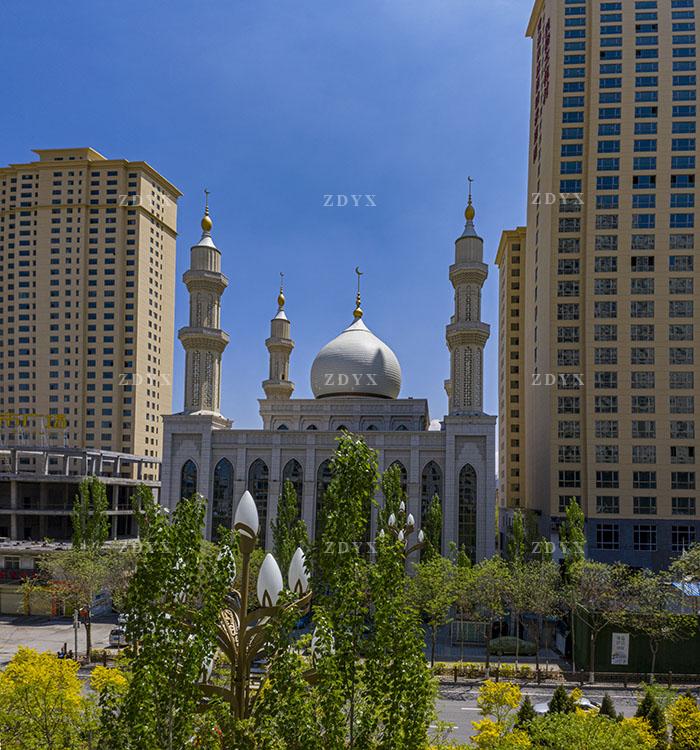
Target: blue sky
274,104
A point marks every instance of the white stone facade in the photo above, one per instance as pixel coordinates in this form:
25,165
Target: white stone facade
299,435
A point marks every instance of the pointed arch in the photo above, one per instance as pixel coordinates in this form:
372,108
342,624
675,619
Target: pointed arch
222,497
467,511
188,479
323,479
258,485
295,474
431,485
404,475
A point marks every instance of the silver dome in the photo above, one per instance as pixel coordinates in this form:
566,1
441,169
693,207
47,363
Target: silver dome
356,363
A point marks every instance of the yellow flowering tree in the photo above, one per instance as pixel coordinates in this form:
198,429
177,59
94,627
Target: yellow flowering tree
500,701
41,705
684,718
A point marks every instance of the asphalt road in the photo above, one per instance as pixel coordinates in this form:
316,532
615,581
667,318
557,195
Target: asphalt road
43,634
457,705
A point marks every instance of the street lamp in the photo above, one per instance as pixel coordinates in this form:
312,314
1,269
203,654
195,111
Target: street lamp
242,636
403,527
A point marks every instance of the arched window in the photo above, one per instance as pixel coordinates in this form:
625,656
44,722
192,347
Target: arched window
295,474
312,427
341,427
402,428
188,479
283,427
372,428
431,485
404,476
222,502
258,482
466,515
323,479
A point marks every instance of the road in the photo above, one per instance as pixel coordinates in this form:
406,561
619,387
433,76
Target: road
44,634
457,704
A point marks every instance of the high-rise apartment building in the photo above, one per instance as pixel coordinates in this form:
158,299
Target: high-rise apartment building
611,381
510,260
87,285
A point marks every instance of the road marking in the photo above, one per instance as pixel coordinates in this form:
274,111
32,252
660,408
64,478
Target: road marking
471,708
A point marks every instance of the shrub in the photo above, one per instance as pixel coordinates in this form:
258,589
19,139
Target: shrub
506,645
526,714
607,707
684,717
562,702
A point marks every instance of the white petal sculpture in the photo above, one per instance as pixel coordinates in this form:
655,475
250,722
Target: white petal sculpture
421,536
246,519
401,536
270,582
410,521
297,577
402,506
392,520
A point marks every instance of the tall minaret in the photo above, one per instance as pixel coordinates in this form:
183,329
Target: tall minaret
466,334
203,340
278,386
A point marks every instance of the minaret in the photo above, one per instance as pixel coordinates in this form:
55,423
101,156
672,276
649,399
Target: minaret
203,340
278,386
466,334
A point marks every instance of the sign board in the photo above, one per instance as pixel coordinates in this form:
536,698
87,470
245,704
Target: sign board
620,652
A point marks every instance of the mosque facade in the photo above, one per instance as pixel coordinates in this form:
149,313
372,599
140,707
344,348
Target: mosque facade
356,382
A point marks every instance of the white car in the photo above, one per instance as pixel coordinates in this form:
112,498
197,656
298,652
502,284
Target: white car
583,703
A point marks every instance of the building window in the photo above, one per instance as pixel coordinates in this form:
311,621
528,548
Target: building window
188,479
466,529
222,498
431,485
607,536
258,483
644,538
683,506
323,479
644,506
293,473
682,537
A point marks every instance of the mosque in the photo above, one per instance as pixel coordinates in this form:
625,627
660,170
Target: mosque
356,382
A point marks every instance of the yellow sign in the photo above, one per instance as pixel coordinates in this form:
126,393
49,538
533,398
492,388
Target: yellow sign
50,421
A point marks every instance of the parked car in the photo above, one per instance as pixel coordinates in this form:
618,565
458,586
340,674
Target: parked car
583,703
117,638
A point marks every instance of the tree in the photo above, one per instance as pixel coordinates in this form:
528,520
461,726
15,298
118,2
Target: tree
89,516
572,540
516,542
526,714
686,567
652,611
561,702
174,599
649,710
684,718
487,592
598,590
587,730
432,589
432,528
76,576
288,530
462,590
607,707
540,581
340,574
41,703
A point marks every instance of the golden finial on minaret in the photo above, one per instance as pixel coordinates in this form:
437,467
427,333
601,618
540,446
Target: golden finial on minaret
280,298
207,223
469,212
358,309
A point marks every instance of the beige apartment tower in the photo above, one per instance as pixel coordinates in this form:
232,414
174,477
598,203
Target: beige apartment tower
609,374
87,286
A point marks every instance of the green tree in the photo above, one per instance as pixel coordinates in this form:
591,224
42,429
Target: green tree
41,703
487,596
649,710
526,714
288,530
598,590
607,707
174,599
684,718
561,702
572,540
89,516
340,574
432,528
516,541
652,611
432,590
686,567
541,582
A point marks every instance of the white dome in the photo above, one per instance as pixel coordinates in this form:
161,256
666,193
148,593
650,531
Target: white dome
356,363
